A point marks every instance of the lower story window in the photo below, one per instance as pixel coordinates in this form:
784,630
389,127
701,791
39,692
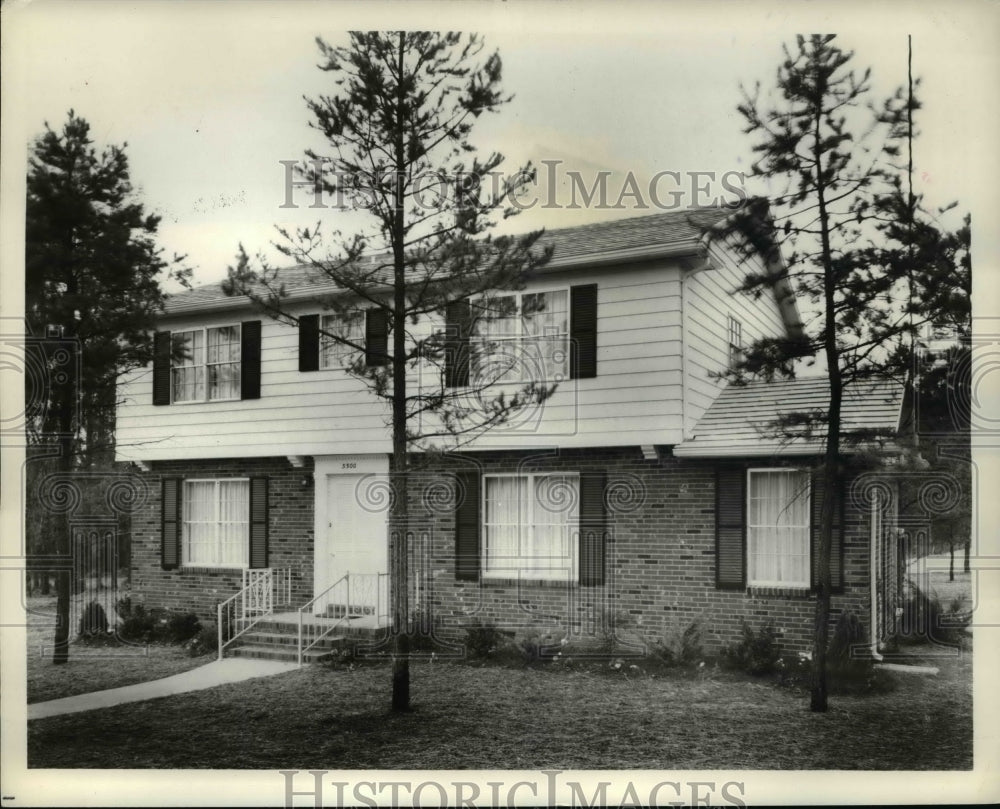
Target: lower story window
778,527
216,523
531,525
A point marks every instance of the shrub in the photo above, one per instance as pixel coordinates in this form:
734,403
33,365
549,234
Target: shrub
137,624
94,621
925,620
758,652
679,647
541,646
485,641
850,666
152,626
181,627
205,641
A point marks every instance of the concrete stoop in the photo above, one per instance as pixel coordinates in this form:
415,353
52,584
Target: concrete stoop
277,639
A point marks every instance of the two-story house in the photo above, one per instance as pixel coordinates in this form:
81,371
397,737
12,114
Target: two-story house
643,492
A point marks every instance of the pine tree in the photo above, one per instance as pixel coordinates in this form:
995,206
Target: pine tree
397,122
92,289
871,266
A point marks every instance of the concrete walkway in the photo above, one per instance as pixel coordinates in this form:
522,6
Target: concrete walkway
219,672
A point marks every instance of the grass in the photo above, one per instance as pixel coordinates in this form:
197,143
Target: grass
92,667
502,718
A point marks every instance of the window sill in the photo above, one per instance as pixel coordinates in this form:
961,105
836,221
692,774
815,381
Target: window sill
514,581
205,401
235,569
779,591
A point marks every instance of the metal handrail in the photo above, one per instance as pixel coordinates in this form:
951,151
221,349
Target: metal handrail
273,577
344,580
308,606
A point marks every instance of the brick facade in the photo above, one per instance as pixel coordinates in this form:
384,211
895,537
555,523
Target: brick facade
660,563
199,590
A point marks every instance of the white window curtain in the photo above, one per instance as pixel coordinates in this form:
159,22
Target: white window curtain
523,337
224,363
350,327
778,527
188,366
531,524
497,341
506,518
545,319
216,523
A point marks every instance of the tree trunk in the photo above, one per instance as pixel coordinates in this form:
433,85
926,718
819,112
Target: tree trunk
399,579
951,561
968,549
831,459
64,542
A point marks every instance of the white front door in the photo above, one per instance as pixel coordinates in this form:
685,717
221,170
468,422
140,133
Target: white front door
351,538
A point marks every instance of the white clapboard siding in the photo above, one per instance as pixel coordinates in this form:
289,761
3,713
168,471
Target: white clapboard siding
710,296
635,398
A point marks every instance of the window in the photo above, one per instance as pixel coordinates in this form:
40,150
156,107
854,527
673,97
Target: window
530,526
215,523
778,527
522,336
351,327
206,364
735,342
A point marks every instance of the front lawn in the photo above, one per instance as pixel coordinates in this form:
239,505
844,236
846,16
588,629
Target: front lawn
500,718
93,667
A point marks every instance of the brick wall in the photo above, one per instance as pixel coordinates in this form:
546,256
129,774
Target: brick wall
660,569
290,536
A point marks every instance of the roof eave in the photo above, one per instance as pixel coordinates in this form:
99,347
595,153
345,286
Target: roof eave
684,247
764,451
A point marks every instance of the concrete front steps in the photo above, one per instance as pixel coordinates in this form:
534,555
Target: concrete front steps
276,637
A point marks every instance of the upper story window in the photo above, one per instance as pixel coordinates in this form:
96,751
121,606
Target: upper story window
778,527
521,337
735,336
206,364
333,353
218,363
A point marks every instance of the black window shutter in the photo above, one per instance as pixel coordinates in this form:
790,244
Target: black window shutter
467,526
309,343
376,337
730,529
593,528
250,360
458,321
170,523
258,522
583,331
819,489
161,368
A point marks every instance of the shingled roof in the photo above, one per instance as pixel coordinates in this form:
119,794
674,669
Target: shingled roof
572,245
739,423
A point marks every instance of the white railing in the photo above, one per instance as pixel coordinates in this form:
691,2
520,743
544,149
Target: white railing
354,595
263,590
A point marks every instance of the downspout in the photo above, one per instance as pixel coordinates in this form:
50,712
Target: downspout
873,571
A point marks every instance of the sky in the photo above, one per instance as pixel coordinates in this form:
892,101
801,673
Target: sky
210,97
